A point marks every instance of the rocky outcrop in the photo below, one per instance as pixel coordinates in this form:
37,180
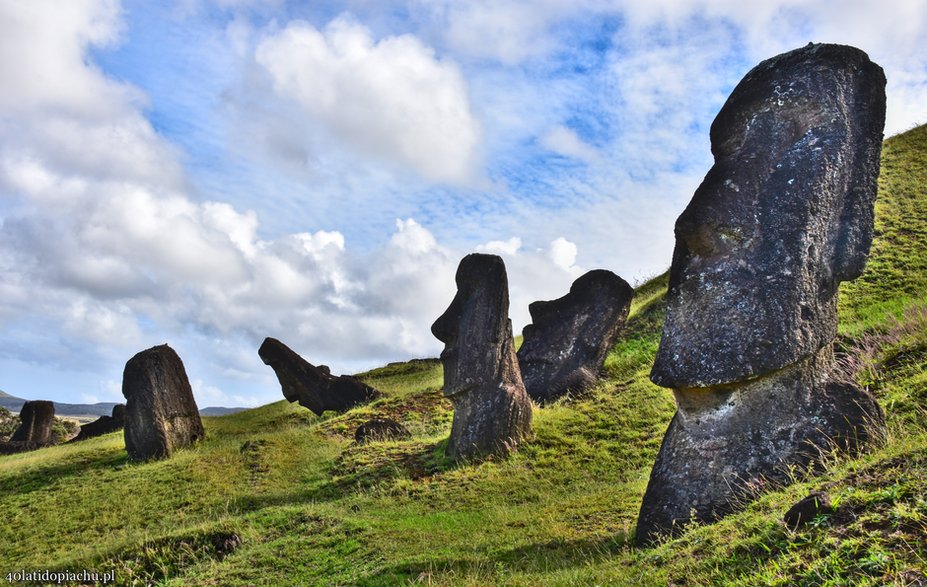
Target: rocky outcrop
783,216
565,345
313,387
160,414
492,411
103,424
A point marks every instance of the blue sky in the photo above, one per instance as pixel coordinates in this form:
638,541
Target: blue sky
210,172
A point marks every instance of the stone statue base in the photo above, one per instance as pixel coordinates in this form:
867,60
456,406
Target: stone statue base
728,442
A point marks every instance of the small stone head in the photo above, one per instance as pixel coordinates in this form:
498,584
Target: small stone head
783,216
566,343
475,326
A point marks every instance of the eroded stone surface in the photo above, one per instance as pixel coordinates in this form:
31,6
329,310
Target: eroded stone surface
492,411
783,216
160,414
103,424
565,345
313,387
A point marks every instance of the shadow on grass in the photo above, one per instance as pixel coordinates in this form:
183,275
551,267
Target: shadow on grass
361,467
38,477
542,557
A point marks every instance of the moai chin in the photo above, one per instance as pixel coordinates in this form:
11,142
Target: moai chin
565,346
492,411
783,216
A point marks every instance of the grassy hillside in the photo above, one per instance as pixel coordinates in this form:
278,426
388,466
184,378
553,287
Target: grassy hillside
277,496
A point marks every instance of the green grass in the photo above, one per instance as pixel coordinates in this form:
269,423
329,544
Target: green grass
309,507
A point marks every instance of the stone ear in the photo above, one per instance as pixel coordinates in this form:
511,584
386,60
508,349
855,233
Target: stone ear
854,234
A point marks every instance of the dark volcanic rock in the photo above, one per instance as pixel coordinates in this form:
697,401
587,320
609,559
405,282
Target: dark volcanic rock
492,411
313,387
160,414
565,345
36,419
379,429
783,216
807,509
103,424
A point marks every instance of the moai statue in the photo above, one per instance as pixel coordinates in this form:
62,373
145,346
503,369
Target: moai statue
103,424
783,216
313,387
36,419
161,414
565,345
492,411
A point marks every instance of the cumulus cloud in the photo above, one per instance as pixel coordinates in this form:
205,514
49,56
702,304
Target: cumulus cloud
390,98
507,247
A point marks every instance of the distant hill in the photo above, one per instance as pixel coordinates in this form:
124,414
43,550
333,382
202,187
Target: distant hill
219,411
14,404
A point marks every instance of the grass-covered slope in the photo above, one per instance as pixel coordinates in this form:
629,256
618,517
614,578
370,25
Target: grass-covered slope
276,496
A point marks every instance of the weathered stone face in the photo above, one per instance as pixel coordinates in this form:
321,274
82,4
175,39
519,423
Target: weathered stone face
103,424
36,420
565,345
782,217
492,411
161,414
313,387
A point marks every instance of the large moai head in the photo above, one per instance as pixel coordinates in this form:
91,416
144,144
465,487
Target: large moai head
783,216
492,411
161,414
566,343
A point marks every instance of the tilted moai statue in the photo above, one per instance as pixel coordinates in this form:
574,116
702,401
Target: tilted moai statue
783,216
564,347
313,387
492,411
36,419
103,424
161,414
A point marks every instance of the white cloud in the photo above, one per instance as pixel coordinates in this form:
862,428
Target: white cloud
564,141
563,253
508,31
392,98
507,247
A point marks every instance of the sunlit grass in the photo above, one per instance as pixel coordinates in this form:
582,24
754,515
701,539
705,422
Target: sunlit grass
312,508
